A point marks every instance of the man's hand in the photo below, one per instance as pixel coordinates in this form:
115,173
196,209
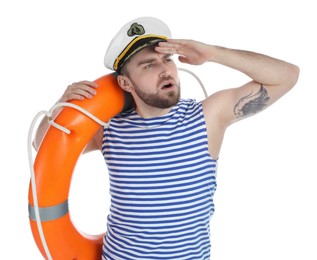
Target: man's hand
79,90
189,51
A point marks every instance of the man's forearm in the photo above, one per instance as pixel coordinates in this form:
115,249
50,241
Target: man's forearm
259,67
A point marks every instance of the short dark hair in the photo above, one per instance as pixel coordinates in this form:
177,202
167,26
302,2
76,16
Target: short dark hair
124,70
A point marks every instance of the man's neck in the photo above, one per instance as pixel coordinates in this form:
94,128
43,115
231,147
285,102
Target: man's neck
146,111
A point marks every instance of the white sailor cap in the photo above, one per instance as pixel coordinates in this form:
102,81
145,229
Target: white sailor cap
133,37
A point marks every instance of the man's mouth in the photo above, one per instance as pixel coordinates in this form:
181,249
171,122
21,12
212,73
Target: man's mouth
167,86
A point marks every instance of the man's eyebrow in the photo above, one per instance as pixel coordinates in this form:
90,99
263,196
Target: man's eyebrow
146,61
150,60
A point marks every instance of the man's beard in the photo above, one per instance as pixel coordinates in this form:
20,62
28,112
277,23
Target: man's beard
170,98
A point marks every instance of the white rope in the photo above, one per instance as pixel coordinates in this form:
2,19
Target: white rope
33,184
197,78
66,104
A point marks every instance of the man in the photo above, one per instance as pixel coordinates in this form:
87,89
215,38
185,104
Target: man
162,155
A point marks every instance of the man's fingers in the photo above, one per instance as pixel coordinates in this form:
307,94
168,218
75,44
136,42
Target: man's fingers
80,90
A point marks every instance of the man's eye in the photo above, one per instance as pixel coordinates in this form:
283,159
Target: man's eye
168,60
148,66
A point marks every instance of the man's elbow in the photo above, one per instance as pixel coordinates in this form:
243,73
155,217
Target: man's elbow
293,75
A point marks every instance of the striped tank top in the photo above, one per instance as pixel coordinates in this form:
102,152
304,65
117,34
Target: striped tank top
162,182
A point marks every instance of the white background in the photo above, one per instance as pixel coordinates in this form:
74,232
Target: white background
266,197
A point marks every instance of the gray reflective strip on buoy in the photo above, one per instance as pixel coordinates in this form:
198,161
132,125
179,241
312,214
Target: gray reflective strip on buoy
49,213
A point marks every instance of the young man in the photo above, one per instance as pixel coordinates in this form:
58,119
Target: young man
162,155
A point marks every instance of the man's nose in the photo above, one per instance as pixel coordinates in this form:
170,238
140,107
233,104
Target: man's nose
165,71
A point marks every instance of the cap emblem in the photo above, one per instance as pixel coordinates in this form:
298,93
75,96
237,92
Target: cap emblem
135,29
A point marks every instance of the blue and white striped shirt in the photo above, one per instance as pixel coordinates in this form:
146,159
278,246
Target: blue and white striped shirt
162,182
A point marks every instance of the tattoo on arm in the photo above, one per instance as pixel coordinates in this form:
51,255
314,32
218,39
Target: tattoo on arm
251,103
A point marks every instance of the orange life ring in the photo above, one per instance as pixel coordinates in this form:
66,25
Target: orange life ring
53,168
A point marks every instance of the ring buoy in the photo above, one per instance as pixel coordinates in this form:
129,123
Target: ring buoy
53,168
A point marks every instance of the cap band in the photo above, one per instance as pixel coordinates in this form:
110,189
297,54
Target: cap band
129,50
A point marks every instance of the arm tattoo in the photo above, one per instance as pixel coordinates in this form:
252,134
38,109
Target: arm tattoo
251,103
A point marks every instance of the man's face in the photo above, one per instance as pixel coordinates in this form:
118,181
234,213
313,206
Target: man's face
155,78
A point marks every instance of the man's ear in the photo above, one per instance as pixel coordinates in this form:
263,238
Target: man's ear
124,83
